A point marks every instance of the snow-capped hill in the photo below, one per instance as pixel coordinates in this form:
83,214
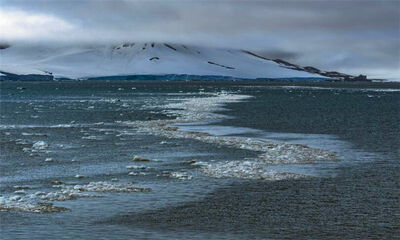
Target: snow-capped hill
144,59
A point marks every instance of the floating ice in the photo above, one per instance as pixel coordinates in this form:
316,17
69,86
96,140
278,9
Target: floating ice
244,169
21,205
22,192
136,167
63,195
34,134
93,137
21,142
138,173
179,175
15,198
34,202
106,187
203,109
40,145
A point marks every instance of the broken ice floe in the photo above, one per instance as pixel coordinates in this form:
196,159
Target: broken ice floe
138,173
34,134
136,167
33,202
37,147
21,205
40,145
203,109
62,195
91,137
104,187
181,175
246,170
22,192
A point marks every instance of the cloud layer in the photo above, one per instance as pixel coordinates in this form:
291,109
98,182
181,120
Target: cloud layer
355,36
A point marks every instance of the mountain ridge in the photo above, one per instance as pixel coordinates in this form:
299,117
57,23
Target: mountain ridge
140,59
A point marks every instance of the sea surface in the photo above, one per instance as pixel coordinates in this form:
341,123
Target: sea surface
196,160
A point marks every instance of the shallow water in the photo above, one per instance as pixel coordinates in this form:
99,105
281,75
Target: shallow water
82,132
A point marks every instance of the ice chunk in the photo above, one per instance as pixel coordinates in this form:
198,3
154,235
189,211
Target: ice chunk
40,145
245,170
182,175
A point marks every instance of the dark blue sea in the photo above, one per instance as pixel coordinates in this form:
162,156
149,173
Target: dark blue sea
196,160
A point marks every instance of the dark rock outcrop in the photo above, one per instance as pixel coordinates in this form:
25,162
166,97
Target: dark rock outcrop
312,69
4,46
288,64
220,65
169,46
361,78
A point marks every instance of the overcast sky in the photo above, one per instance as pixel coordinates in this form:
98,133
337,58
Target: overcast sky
353,36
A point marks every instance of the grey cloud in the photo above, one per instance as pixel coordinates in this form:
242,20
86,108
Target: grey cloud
342,34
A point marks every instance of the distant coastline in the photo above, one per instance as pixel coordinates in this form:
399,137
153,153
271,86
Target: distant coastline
4,76
252,82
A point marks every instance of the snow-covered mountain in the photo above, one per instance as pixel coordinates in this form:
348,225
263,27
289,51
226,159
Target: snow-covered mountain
143,59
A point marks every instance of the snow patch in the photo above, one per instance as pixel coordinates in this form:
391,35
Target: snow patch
138,59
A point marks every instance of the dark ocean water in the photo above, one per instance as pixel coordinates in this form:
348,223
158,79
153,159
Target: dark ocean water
85,129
